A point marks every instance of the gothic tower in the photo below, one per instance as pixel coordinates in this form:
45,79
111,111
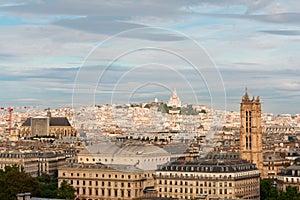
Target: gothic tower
251,132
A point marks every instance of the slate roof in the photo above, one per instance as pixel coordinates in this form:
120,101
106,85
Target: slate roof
109,148
223,164
54,121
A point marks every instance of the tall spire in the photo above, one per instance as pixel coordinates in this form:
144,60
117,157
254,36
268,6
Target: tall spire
246,96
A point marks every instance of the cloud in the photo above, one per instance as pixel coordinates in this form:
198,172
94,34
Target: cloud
283,32
110,26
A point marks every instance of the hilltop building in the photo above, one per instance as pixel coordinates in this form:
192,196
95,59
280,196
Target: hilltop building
174,101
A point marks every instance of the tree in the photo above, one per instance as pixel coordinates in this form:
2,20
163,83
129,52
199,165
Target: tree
48,185
14,181
66,191
267,190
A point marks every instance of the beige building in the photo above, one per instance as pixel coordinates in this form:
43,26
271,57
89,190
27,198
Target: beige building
143,156
251,131
98,181
218,177
289,176
33,163
174,101
272,165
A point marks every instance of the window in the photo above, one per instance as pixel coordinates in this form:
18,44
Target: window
220,191
128,193
108,184
83,182
83,191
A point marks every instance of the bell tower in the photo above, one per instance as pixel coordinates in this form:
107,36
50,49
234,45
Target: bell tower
250,131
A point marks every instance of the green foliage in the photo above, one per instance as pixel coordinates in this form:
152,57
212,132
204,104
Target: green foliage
14,181
48,185
269,192
66,191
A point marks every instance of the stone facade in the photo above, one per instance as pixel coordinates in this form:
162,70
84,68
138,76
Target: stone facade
57,127
214,178
289,176
98,181
33,163
251,131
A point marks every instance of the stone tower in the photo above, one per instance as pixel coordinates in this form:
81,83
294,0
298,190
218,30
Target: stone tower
251,132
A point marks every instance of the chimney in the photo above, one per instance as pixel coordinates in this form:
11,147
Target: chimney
23,196
20,196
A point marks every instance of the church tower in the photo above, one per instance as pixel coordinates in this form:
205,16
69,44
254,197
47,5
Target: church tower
250,131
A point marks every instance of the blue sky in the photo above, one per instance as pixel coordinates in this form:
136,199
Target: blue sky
62,52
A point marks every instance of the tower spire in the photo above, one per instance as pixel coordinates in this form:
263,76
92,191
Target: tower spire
246,96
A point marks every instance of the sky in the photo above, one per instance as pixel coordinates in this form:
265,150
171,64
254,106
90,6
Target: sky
58,53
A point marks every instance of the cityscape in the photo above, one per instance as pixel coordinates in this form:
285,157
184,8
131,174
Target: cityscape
155,149
149,100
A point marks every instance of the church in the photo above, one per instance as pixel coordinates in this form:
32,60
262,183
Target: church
47,126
